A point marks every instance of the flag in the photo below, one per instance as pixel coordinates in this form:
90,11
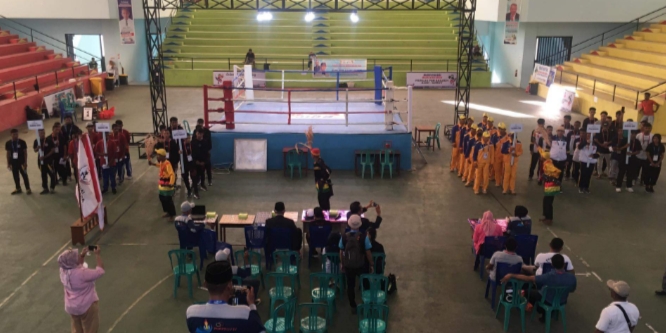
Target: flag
88,189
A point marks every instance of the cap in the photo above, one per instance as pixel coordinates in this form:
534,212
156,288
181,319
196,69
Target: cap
222,255
474,126
485,115
470,118
279,206
486,134
309,214
501,126
89,124
621,288
315,152
462,117
355,222
186,206
490,119
160,152
218,273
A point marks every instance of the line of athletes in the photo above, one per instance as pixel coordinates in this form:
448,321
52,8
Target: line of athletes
483,152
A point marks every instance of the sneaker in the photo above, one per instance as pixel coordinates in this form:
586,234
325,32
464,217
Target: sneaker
505,193
204,188
189,195
210,183
618,190
113,190
539,183
485,192
52,191
28,191
529,178
580,191
630,190
64,182
17,192
44,192
660,292
196,196
128,177
587,191
104,191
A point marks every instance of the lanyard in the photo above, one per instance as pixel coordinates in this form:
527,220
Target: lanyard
216,302
14,148
645,142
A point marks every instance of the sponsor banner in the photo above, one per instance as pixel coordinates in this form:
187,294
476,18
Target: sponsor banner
567,100
435,80
52,101
258,78
328,68
544,74
126,22
511,22
318,116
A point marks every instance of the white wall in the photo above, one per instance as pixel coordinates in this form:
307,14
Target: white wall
487,10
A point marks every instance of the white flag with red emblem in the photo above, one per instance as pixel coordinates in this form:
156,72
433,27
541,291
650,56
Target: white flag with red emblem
90,199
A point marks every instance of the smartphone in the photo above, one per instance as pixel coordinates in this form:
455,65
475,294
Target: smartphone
374,204
92,248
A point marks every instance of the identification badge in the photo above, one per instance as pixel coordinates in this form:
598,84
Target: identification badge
655,158
485,156
167,156
57,150
189,158
15,156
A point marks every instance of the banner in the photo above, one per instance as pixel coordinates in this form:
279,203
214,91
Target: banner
544,74
126,22
88,192
51,101
328,68
444,80
258,78
567,101
511,22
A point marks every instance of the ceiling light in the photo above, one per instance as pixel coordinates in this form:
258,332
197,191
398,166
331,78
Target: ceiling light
353,17
309,16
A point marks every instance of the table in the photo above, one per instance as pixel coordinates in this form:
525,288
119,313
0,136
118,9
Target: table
301,150
417,134
261,217
337,224
502,223
357,157
232,221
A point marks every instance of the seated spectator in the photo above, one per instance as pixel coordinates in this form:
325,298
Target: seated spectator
558,277
218,311
184,223
487,227
279,221
520,223
377,247
356,208
508,256
318,220
245,273
545,258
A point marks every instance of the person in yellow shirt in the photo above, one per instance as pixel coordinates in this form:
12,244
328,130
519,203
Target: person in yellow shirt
510,156
471,171
498,163
468,143
462,164
490,128
166,183
483,157
457,133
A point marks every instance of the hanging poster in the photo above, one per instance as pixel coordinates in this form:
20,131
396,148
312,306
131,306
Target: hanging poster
567,101
126,22
511,22
544,74
328,68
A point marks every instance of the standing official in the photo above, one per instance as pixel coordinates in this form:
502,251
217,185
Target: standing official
73,152
59,153
126,162
188,169
498,140
107,162
626,150
17,157
122,149
572,136
167,179
588,161
468,143
510,154
603,141
484,155
68,129
44,161
199,155
322,174
209,139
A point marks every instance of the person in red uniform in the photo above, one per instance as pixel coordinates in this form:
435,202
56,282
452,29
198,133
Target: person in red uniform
107,161
121,150
73,152
94,138
126,162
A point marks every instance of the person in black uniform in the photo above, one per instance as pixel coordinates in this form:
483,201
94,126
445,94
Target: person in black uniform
188,164
44,162
208,138
59,143
172,150
17,161
67,130
173,125
322,174
199,155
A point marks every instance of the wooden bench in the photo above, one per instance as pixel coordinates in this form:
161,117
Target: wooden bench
81,228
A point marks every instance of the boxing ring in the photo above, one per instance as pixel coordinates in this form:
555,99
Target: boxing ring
343,119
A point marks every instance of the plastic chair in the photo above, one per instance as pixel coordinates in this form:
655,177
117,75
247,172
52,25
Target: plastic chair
189,240
375,289
527,247
501,270
223,245
281,291
547,267
334,259
367,159
322,293
318,238
294,161
277,239
556,305
288,262
255,237
516,301
372,318
386,159
434,138
312,322
254,264
183,268
209,240
282,324
490,246
379,262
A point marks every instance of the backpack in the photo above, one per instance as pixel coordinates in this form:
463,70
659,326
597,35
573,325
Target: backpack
392,285
353,256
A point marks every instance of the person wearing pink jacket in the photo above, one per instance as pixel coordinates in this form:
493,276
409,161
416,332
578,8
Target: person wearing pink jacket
487,227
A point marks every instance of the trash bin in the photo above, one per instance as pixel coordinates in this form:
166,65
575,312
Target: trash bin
534,89
96,86
108,83
123,79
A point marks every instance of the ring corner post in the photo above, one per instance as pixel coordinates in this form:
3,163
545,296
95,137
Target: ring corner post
388,106
409,108
379,76
205,97
228,105
337,86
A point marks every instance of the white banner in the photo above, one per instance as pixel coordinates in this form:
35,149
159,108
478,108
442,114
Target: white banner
258,78
544,74
126,22
329,68
51,101
567,100
88,188
435,80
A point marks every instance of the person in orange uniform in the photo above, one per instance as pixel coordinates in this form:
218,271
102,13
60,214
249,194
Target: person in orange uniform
483,125
468,143
498,163
511,166
483,157
490,128
463,162
456,135
471,171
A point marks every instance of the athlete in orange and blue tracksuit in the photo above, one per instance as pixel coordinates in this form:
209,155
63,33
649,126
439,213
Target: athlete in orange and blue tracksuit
457,133
510,169
498,164
468,142
471,170
483,157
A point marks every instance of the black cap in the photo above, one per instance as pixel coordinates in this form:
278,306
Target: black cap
218,273
279,206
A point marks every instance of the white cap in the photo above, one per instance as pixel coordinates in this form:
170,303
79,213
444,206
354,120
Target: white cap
186,206
355,222
309,214
222,255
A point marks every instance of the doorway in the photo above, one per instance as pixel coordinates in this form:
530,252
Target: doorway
551,51
84,48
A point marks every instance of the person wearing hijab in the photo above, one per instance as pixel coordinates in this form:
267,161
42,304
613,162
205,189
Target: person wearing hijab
487,227
81,300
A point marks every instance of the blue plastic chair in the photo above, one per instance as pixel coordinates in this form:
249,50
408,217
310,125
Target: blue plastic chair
372,318
255,237
312,322
501,270
209,240
294,161
288,262
434,138
282,291
556,306
374,288
490,246
516,301
318,238
189,240
334,259
277,324
277,239
367,160
254,263
183,268
387,159
322,293
379,262
527,247
547,267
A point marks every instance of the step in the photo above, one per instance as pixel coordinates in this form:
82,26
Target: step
276,23
23,58
615,75
363,15
276,50
658,37
296,64
304,43
296,29
7,49
627,65
44,79
606,87
4,39
643,45
35,68
308,35
658,27
635,55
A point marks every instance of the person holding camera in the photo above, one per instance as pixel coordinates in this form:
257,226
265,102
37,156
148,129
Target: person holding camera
81,301
355,208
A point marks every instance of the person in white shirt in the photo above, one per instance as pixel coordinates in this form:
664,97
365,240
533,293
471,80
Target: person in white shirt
620,316
644,138
558,151
575,173
588,161
544,258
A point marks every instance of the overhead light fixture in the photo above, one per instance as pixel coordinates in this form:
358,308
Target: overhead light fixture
264,16
309,16
353,17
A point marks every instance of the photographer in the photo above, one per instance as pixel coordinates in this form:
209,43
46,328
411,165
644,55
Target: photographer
356,208
81,301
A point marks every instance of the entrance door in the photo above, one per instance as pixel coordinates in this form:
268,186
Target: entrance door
551,51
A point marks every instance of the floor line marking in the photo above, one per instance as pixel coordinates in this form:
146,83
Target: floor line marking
554,235
18,288
597,276
137,302
55,254
651,328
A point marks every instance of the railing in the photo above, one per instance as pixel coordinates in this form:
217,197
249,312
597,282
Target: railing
303,5
597,41
36,85
46,39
